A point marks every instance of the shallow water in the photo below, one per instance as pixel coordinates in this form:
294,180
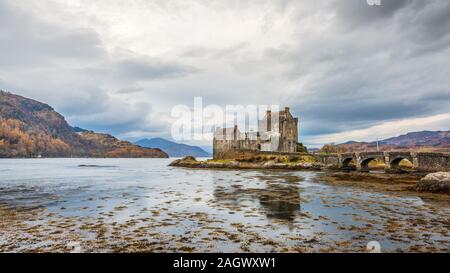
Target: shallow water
143,205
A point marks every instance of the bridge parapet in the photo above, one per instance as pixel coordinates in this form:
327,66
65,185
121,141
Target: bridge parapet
329,159
432,162
367,155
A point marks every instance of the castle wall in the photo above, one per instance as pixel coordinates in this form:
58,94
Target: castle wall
248,154
282,138
223,149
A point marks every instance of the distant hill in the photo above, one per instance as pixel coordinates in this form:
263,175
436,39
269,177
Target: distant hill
29,128
420,141
208,149
79,130
172,148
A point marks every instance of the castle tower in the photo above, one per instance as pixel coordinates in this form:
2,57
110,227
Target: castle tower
269,120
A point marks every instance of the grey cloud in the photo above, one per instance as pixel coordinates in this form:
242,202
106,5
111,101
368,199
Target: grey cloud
364,66
423,22
390,65
130,90
357,13
430,23
215,53
118,118
70,70
343,107
129,71
83,102
26,42
140,69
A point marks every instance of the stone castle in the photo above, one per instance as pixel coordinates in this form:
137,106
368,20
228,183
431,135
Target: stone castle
277,132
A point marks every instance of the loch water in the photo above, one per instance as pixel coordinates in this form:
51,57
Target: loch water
108,205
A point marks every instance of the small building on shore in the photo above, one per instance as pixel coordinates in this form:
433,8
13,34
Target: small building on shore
277,132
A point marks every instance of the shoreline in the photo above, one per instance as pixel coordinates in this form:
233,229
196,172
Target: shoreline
404,181
192,163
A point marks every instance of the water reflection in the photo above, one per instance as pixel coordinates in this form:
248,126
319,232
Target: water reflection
276,195
280,202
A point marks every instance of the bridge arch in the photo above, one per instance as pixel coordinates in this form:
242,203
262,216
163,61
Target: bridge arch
349,163
364,160
364,165
400,163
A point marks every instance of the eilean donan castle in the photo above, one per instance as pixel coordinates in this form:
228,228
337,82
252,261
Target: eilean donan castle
277,132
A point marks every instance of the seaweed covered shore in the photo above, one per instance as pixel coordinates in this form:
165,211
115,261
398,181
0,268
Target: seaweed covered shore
306,163
289,215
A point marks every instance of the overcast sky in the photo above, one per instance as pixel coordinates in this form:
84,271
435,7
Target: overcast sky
350,71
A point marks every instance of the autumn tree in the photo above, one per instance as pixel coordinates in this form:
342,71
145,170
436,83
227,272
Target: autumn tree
329,149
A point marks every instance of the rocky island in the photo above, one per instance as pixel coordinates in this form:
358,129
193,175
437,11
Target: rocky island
258,162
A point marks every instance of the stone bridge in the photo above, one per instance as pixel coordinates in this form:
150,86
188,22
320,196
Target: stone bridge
421,162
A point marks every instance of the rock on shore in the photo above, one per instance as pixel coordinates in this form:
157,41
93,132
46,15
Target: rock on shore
435,182
191,162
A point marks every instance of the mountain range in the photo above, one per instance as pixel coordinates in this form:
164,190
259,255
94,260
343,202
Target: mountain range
438,141
172,148
29,128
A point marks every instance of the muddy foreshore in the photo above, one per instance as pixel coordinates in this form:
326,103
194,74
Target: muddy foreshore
39,230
